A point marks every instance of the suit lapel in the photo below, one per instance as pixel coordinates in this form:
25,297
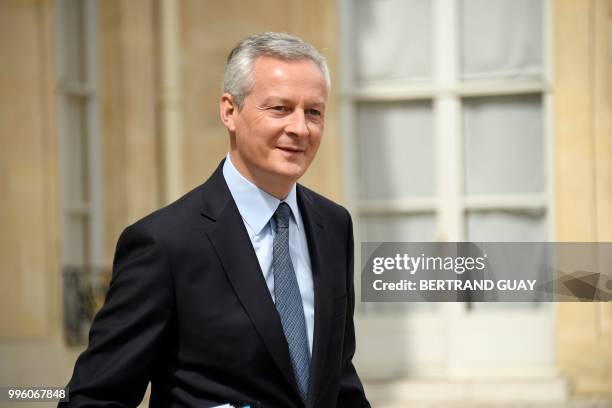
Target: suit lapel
235,251
317,247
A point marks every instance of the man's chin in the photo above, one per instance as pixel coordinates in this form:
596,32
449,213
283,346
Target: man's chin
290,171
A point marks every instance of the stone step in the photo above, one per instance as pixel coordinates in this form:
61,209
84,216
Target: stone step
540,393
469,404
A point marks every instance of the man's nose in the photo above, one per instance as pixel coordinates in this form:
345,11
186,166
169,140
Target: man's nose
297,124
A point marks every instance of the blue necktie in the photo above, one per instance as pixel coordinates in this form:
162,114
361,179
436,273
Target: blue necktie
289,301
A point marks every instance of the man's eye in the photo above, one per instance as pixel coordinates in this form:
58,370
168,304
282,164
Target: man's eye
280,108
314,112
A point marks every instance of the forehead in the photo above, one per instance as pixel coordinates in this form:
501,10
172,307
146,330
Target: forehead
301,75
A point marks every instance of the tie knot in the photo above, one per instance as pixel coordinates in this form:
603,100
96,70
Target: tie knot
281,216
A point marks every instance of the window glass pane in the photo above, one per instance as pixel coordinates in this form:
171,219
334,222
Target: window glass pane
73,40
504,145
75,242
387,228
390,308
76,151
393,40
396,150
505,226
502,39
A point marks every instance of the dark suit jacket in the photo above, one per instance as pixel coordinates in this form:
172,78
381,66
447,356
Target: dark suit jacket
189,310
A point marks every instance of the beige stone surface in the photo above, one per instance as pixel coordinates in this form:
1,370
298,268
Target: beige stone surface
28,208
130,157
602,84
583,188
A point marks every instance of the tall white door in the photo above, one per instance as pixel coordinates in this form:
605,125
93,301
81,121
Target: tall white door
446,128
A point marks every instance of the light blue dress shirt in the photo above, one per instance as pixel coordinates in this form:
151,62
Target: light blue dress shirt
256,208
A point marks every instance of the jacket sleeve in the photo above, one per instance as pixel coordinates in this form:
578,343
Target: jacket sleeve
128,332
351,390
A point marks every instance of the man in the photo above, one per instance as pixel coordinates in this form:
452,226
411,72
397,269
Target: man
241,291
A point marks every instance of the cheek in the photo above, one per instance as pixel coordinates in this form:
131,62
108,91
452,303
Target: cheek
255,135
265,135
252,143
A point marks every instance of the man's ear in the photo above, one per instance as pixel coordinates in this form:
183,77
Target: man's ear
227,110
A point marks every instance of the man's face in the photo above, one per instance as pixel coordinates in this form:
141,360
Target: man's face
276,134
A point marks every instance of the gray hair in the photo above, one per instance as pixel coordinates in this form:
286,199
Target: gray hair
237,76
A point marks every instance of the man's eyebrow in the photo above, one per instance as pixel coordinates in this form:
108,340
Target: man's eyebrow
272,100
318,103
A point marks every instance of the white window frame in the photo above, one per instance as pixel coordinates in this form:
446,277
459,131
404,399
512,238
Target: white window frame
449,206
86,92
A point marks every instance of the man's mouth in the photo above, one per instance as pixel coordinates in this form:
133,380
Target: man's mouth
291,149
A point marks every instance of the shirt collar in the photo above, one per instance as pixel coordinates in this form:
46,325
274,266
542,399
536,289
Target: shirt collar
255,205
